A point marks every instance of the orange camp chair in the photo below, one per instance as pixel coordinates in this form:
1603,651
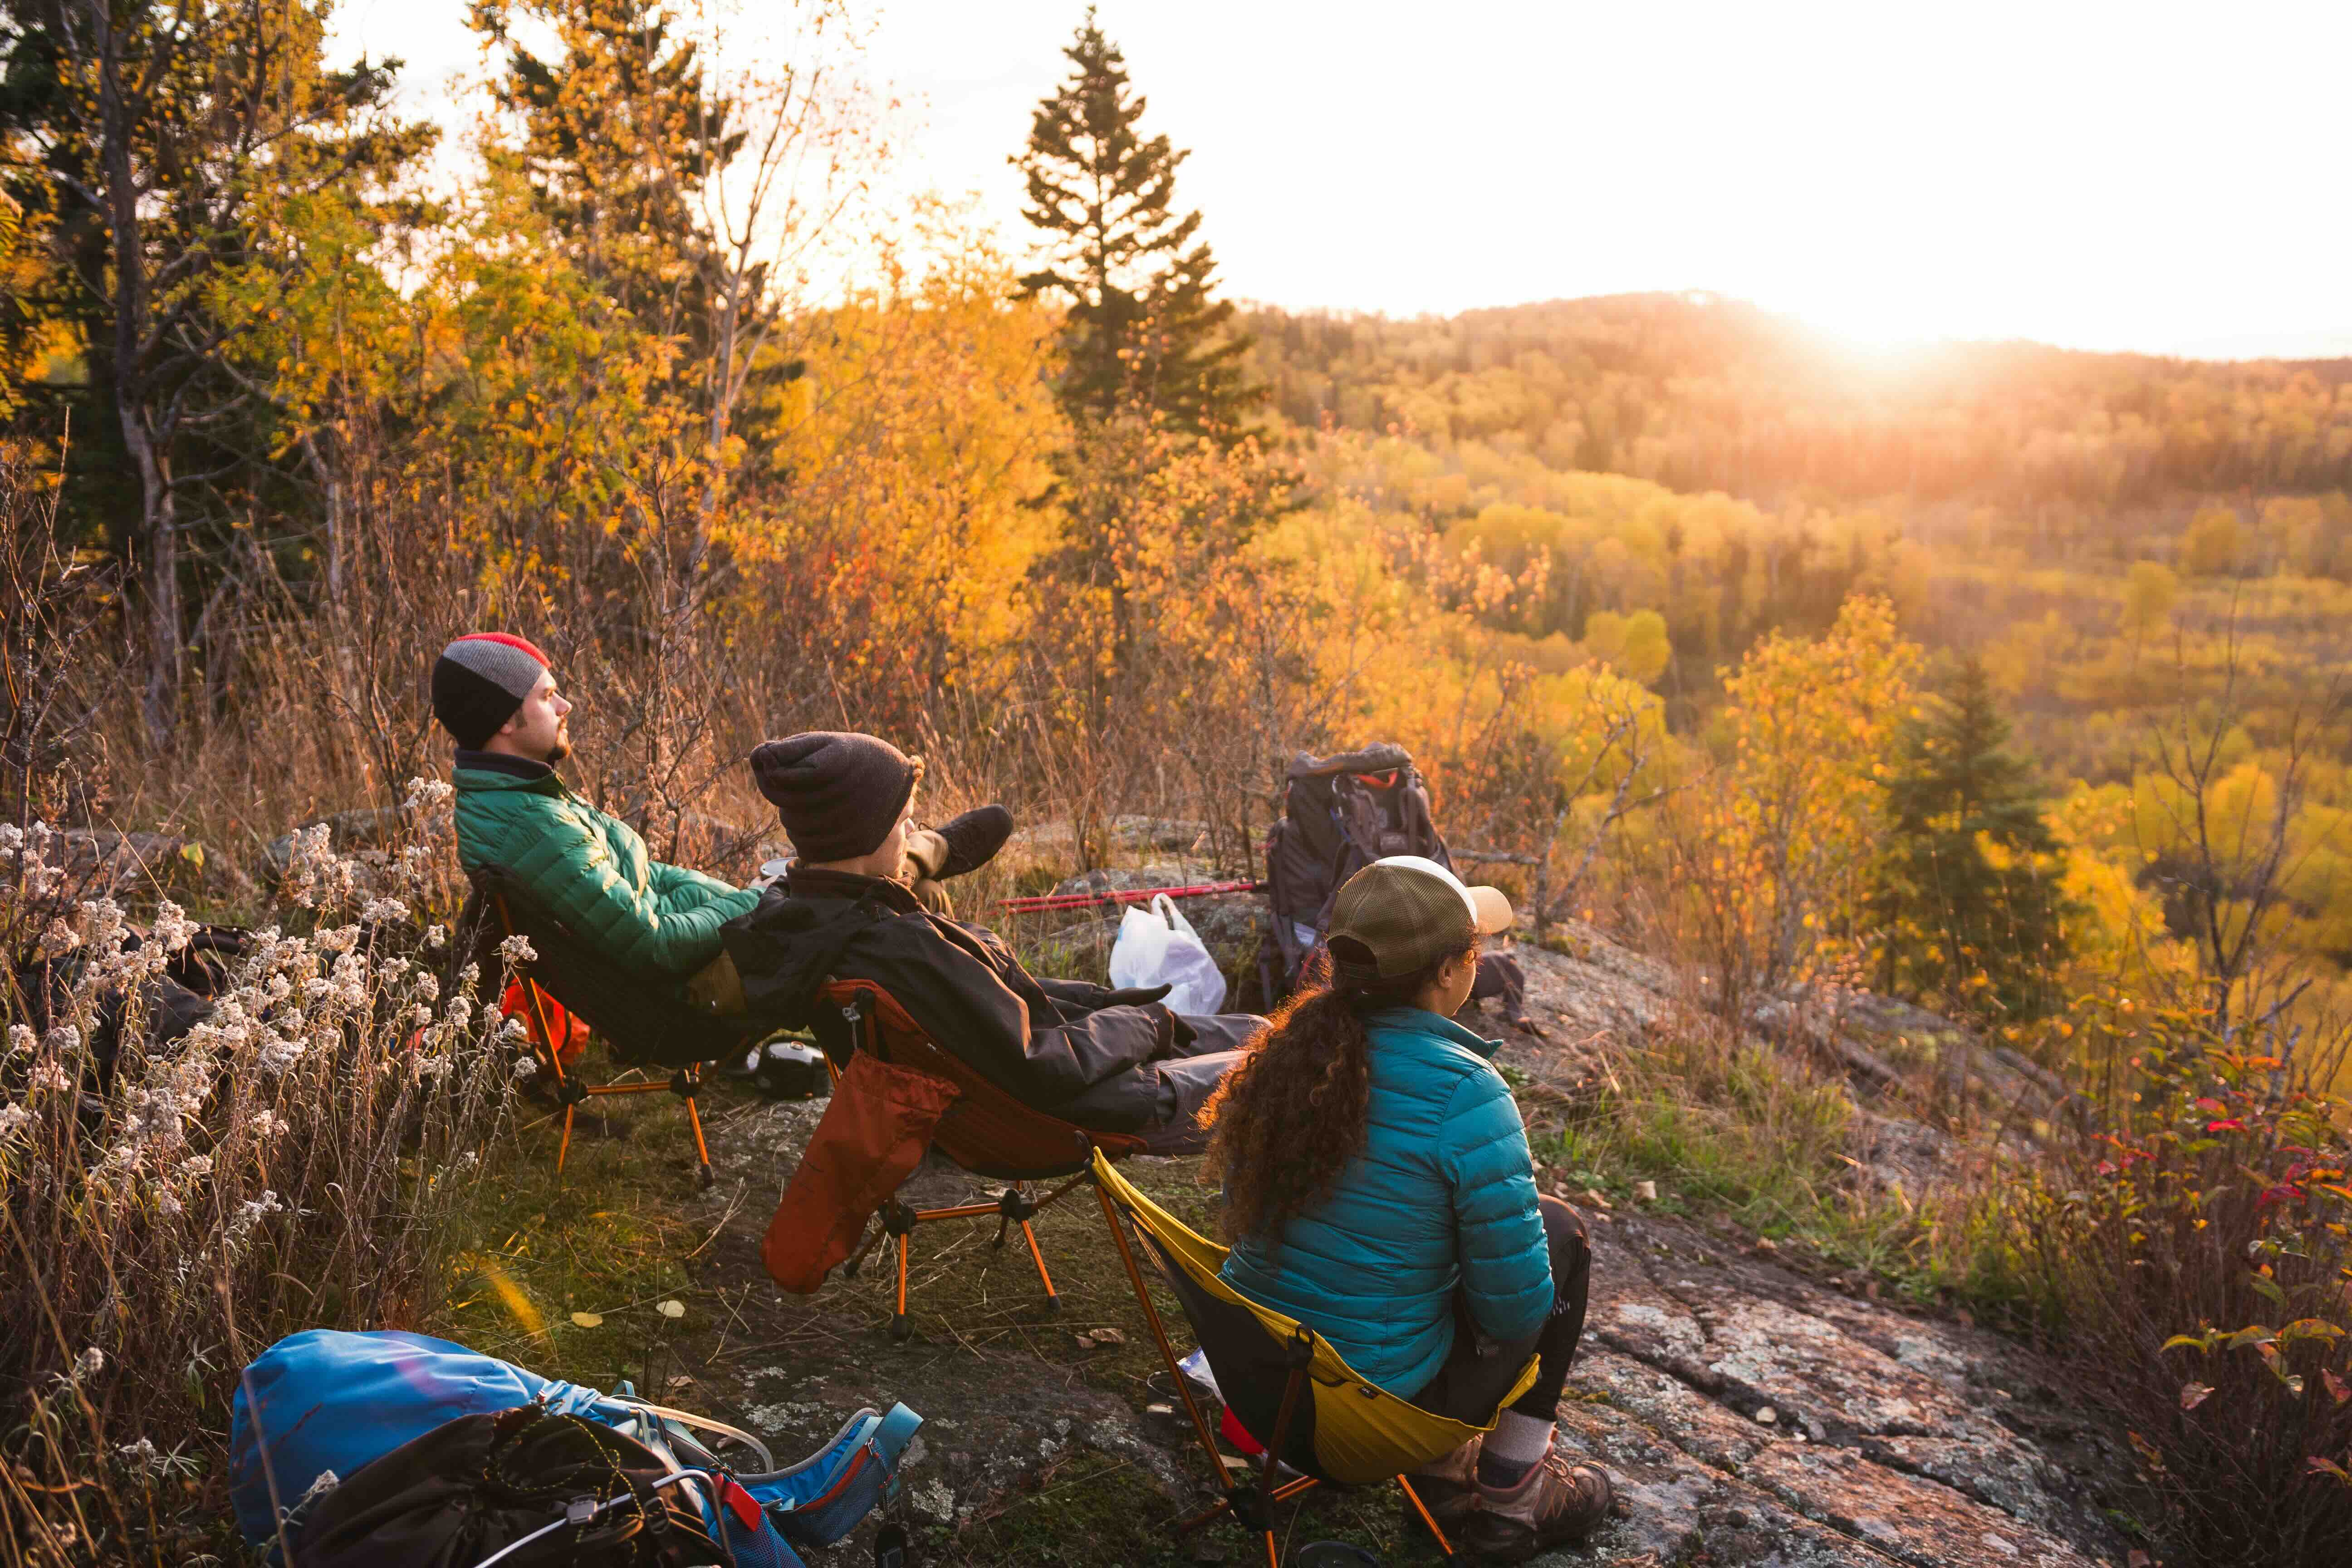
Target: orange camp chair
986,1131
645,1019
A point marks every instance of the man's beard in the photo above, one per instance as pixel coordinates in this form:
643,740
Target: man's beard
560,748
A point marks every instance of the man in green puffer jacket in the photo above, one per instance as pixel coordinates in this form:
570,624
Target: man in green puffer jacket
497,698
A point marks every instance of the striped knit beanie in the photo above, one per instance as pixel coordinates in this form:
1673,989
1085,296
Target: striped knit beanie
478,682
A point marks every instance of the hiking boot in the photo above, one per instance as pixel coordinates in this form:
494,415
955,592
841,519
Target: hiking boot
973,839
1447,1487
1555,1502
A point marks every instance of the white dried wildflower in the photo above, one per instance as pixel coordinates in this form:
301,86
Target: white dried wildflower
426,986
269,1124
58,938
279,1053
526,1068
102,923
174,930
12,839
435,935
461,1012
336,939
89,1365
196,1167
20,1039
512,1028
142,1456
516,950
65,1040
315,874
250,1213
377,910
423,795
279,988
119,1161
52,1077
13,1119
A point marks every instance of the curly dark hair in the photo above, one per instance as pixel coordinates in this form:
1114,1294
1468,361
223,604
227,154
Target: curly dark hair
1291,1113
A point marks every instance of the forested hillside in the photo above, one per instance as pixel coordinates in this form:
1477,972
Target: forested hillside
2004,679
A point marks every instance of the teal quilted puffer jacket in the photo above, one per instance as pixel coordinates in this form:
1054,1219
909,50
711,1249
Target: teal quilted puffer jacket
1442,1196
592,871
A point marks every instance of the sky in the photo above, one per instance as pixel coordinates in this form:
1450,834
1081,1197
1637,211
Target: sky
2154,176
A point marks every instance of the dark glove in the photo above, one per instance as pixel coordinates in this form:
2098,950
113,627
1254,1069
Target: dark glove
1088,997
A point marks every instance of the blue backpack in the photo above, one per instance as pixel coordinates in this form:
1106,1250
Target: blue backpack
325,1401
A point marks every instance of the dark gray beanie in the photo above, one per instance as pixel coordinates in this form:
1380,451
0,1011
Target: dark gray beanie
838,795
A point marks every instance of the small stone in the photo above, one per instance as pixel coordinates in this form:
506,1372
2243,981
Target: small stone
1155,1408
1766,1414
1764,1244
1646,1191
1110,1337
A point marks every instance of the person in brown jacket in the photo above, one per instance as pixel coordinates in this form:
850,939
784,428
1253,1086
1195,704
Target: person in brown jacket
1110,1060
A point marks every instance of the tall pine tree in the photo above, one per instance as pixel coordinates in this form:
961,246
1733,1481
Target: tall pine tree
1145,331
1967,896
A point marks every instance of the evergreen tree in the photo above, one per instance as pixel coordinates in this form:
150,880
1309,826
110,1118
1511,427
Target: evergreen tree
147,142
623,130
619,134
1967,896
1145,331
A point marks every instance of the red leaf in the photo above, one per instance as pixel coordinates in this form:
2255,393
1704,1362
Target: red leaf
2335,1386
2193,1395
2226,1124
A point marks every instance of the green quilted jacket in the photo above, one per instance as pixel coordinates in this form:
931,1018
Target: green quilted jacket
592,870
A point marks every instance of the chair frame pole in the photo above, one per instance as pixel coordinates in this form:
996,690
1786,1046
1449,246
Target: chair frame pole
1167,1350
686,1082
1428,1519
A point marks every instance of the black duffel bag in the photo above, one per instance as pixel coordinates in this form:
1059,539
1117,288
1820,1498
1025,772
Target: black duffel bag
472,1488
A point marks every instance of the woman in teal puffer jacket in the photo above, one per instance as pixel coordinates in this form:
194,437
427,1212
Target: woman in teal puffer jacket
1379,1189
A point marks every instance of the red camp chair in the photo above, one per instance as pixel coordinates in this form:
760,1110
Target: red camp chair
986,1131
645,1019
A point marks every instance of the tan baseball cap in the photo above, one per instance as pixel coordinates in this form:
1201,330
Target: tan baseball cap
1412,912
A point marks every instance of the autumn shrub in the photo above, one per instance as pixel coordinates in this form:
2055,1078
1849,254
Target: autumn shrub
2203,1263
1728,1123
169,1207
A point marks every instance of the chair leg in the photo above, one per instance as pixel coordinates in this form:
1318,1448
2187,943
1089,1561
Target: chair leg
563,1150
898,1328
688,1085
1052,1301
1421,1509
1167,1350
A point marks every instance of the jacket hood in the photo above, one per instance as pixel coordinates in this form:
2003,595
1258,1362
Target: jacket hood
786,946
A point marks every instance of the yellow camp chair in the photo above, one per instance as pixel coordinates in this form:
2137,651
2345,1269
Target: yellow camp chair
1282,1380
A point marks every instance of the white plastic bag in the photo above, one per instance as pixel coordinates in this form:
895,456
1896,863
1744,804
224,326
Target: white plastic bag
1158,947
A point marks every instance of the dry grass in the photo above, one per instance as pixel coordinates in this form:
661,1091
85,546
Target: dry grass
173,1208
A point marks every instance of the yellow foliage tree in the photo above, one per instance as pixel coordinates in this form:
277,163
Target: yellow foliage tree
2214,545
2150,590
1777,839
